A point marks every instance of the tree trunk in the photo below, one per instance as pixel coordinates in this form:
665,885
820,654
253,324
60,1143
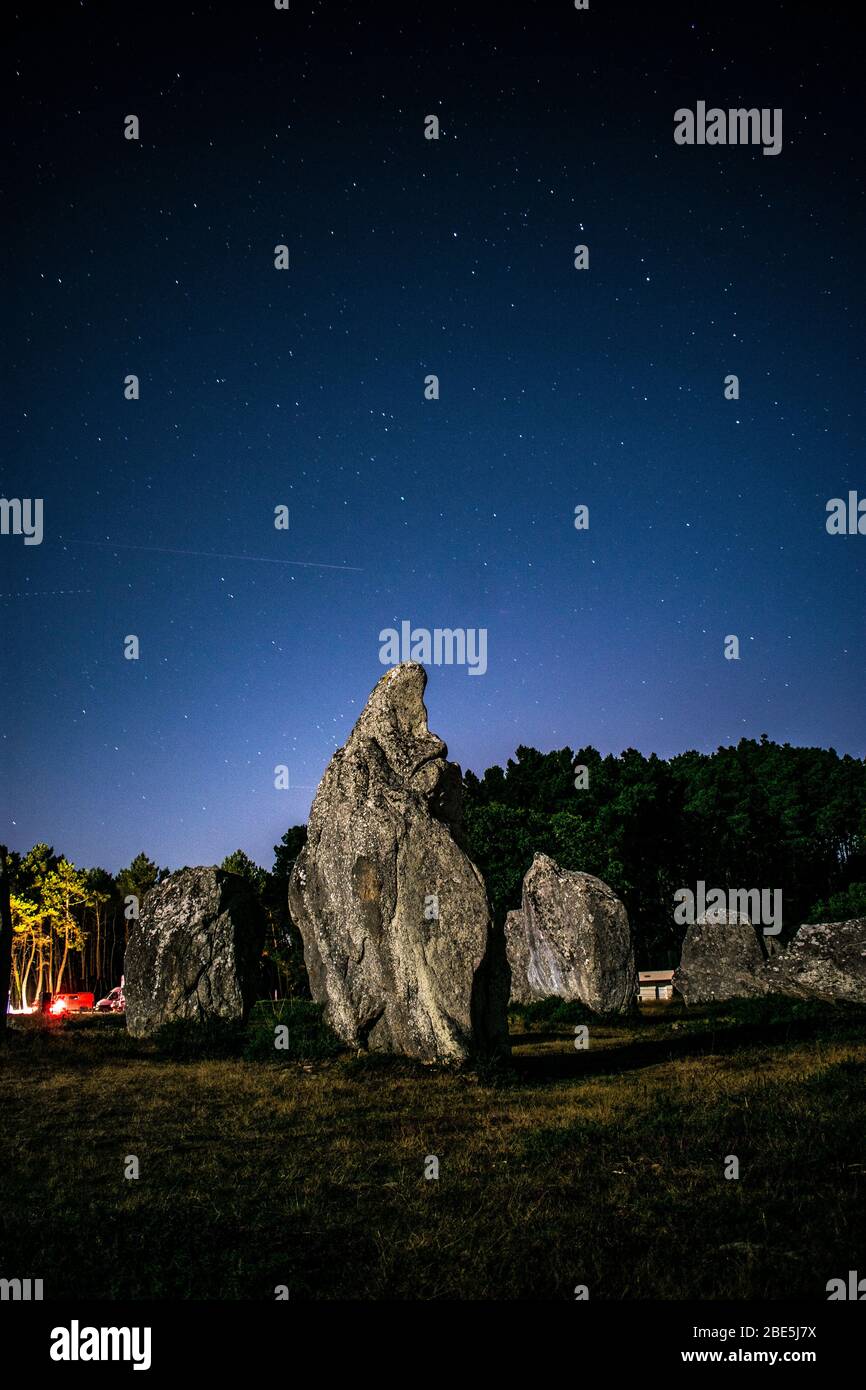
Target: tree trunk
40,975
26,975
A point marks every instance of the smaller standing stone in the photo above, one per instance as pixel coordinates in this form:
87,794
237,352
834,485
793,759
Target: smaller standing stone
571,939
721,959
826,960
195,952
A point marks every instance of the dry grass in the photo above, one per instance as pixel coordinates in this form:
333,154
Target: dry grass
603,1168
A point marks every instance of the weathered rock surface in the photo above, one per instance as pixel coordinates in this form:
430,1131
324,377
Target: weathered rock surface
195,951
398,939
518,956
722,958
571,938
822,961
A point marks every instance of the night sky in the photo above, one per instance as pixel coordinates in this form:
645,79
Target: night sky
305,388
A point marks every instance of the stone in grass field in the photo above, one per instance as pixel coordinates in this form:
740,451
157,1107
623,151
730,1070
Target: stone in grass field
826,960
398,938
722,958
570,939
195,952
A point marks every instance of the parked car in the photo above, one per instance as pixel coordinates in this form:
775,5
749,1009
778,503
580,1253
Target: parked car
113,1003
70,1003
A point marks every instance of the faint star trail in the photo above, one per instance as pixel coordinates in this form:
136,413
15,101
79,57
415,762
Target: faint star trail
216,555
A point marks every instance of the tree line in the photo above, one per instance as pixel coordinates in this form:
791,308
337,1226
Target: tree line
760,814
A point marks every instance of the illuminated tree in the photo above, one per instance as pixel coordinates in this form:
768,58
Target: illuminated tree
64,896
28,939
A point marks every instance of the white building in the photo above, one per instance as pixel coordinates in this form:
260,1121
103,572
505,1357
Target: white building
655,984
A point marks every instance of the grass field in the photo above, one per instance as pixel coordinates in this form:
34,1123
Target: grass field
602,1167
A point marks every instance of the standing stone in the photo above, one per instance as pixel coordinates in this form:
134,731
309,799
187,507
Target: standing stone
826,960
571,938
397,932
721,958
195,952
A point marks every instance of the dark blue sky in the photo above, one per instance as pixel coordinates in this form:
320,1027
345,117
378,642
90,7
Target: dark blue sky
305,387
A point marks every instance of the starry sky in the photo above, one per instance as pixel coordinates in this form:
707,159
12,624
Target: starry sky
305,388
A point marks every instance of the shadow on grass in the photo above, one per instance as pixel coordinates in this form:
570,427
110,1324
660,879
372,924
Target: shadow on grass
717,1030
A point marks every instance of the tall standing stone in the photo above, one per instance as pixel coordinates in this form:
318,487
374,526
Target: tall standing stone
195,951
570,939
397,932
